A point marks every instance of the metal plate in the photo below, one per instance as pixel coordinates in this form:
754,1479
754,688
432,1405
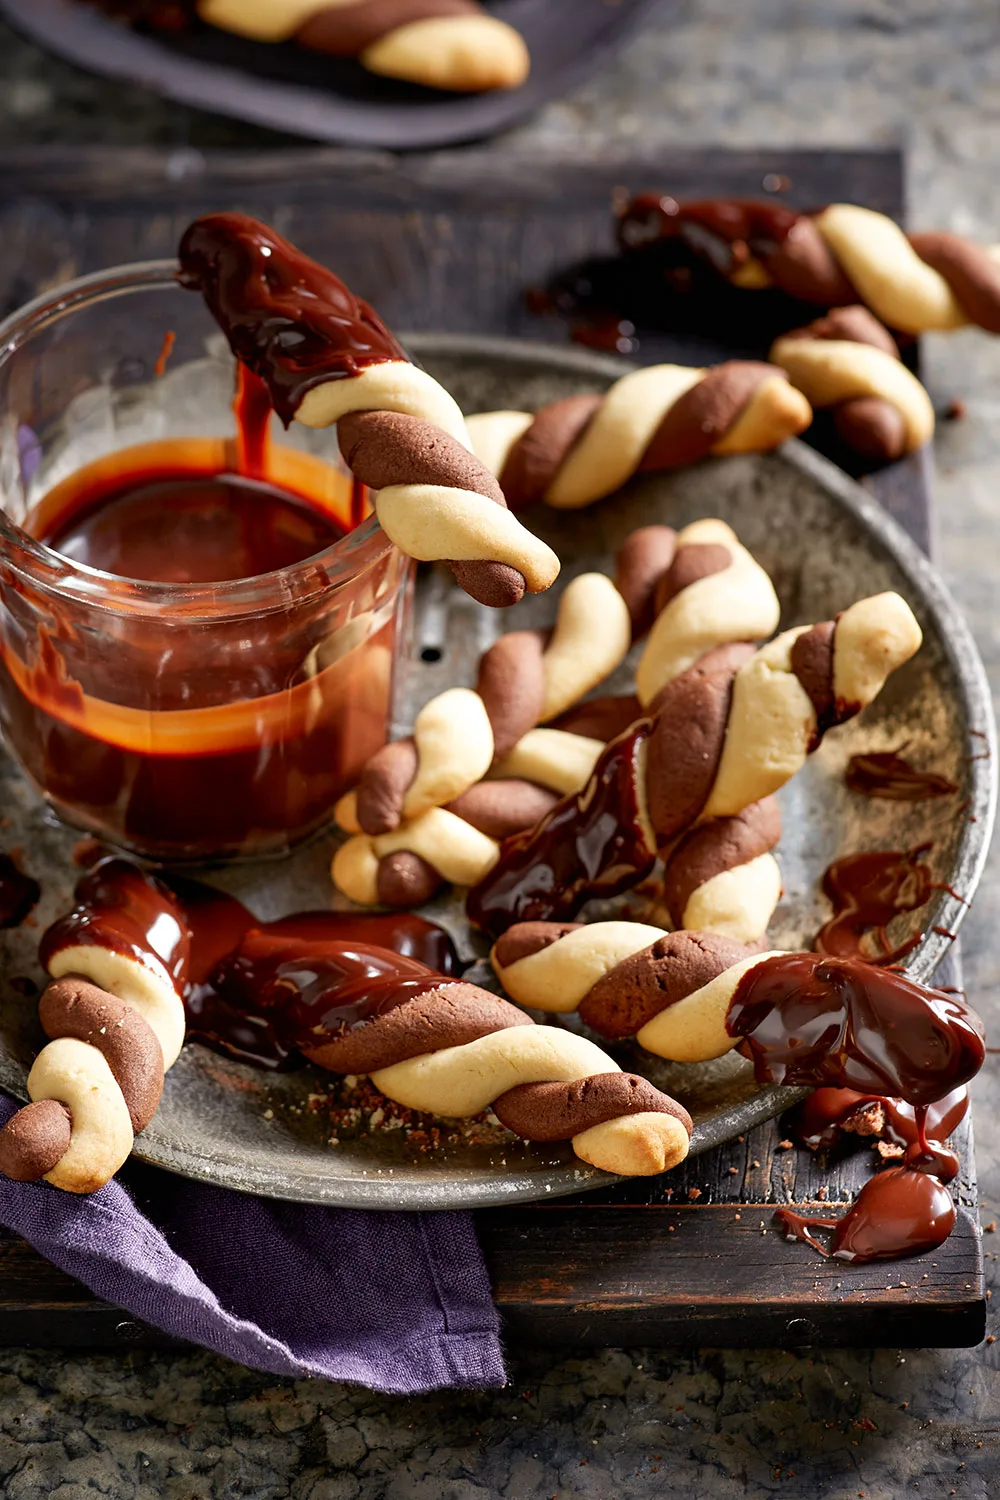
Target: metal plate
825,543
336,99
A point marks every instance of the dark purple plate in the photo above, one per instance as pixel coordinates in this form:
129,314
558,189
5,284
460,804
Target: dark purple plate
330,99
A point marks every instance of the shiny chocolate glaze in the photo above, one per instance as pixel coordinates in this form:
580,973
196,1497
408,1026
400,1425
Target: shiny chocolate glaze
832,1116
805,1019
254,986
287,318
901,1211
590,844
867,891
128,911
884,773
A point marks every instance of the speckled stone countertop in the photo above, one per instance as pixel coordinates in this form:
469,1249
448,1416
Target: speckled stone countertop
622,1423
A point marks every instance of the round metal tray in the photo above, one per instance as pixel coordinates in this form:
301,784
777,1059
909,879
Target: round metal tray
825,542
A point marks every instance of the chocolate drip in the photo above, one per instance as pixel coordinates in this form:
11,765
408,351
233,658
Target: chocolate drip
591,844
724,234
290,320
19,893
558,1111
807,1019
828,1115
867,891
232,1019
123,909
884,773
901,1212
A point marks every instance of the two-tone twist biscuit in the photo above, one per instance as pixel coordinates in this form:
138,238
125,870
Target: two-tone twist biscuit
526,678
848,362
442,44
326,357
843,254
725,734
116,1021
577,450
694,592
422,815
446,1047
802,1018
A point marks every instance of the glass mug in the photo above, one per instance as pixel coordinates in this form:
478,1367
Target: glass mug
180,721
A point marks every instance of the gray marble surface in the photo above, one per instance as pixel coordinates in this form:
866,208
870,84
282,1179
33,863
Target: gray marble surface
636,1424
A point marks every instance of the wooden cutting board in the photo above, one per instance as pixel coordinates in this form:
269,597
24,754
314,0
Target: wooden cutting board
450,243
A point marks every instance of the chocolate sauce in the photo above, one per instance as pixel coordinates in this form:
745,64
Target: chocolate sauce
202,529
127,911
725,232
180,751
19,893
820,1120
809,1020
310,992
590,844
258,989
288,319
901,1211
867,891
866,1036
884,773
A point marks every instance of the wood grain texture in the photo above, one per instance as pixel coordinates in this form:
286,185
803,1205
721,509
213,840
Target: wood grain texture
450,244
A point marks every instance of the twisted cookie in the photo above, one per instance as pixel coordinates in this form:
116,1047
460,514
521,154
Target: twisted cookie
802,1018
698,590
116,1020
448,1048
524,680
459,844
725,734
841,255
576,450
325,357
849,362
721,876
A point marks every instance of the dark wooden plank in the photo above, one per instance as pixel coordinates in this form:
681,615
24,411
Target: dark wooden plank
450,243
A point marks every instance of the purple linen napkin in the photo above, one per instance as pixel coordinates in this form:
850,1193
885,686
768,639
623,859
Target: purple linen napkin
399,1302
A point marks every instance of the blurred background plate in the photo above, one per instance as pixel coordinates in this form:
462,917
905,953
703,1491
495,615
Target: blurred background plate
332,99
825,542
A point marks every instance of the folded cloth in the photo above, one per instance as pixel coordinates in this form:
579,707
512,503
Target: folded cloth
399,1302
